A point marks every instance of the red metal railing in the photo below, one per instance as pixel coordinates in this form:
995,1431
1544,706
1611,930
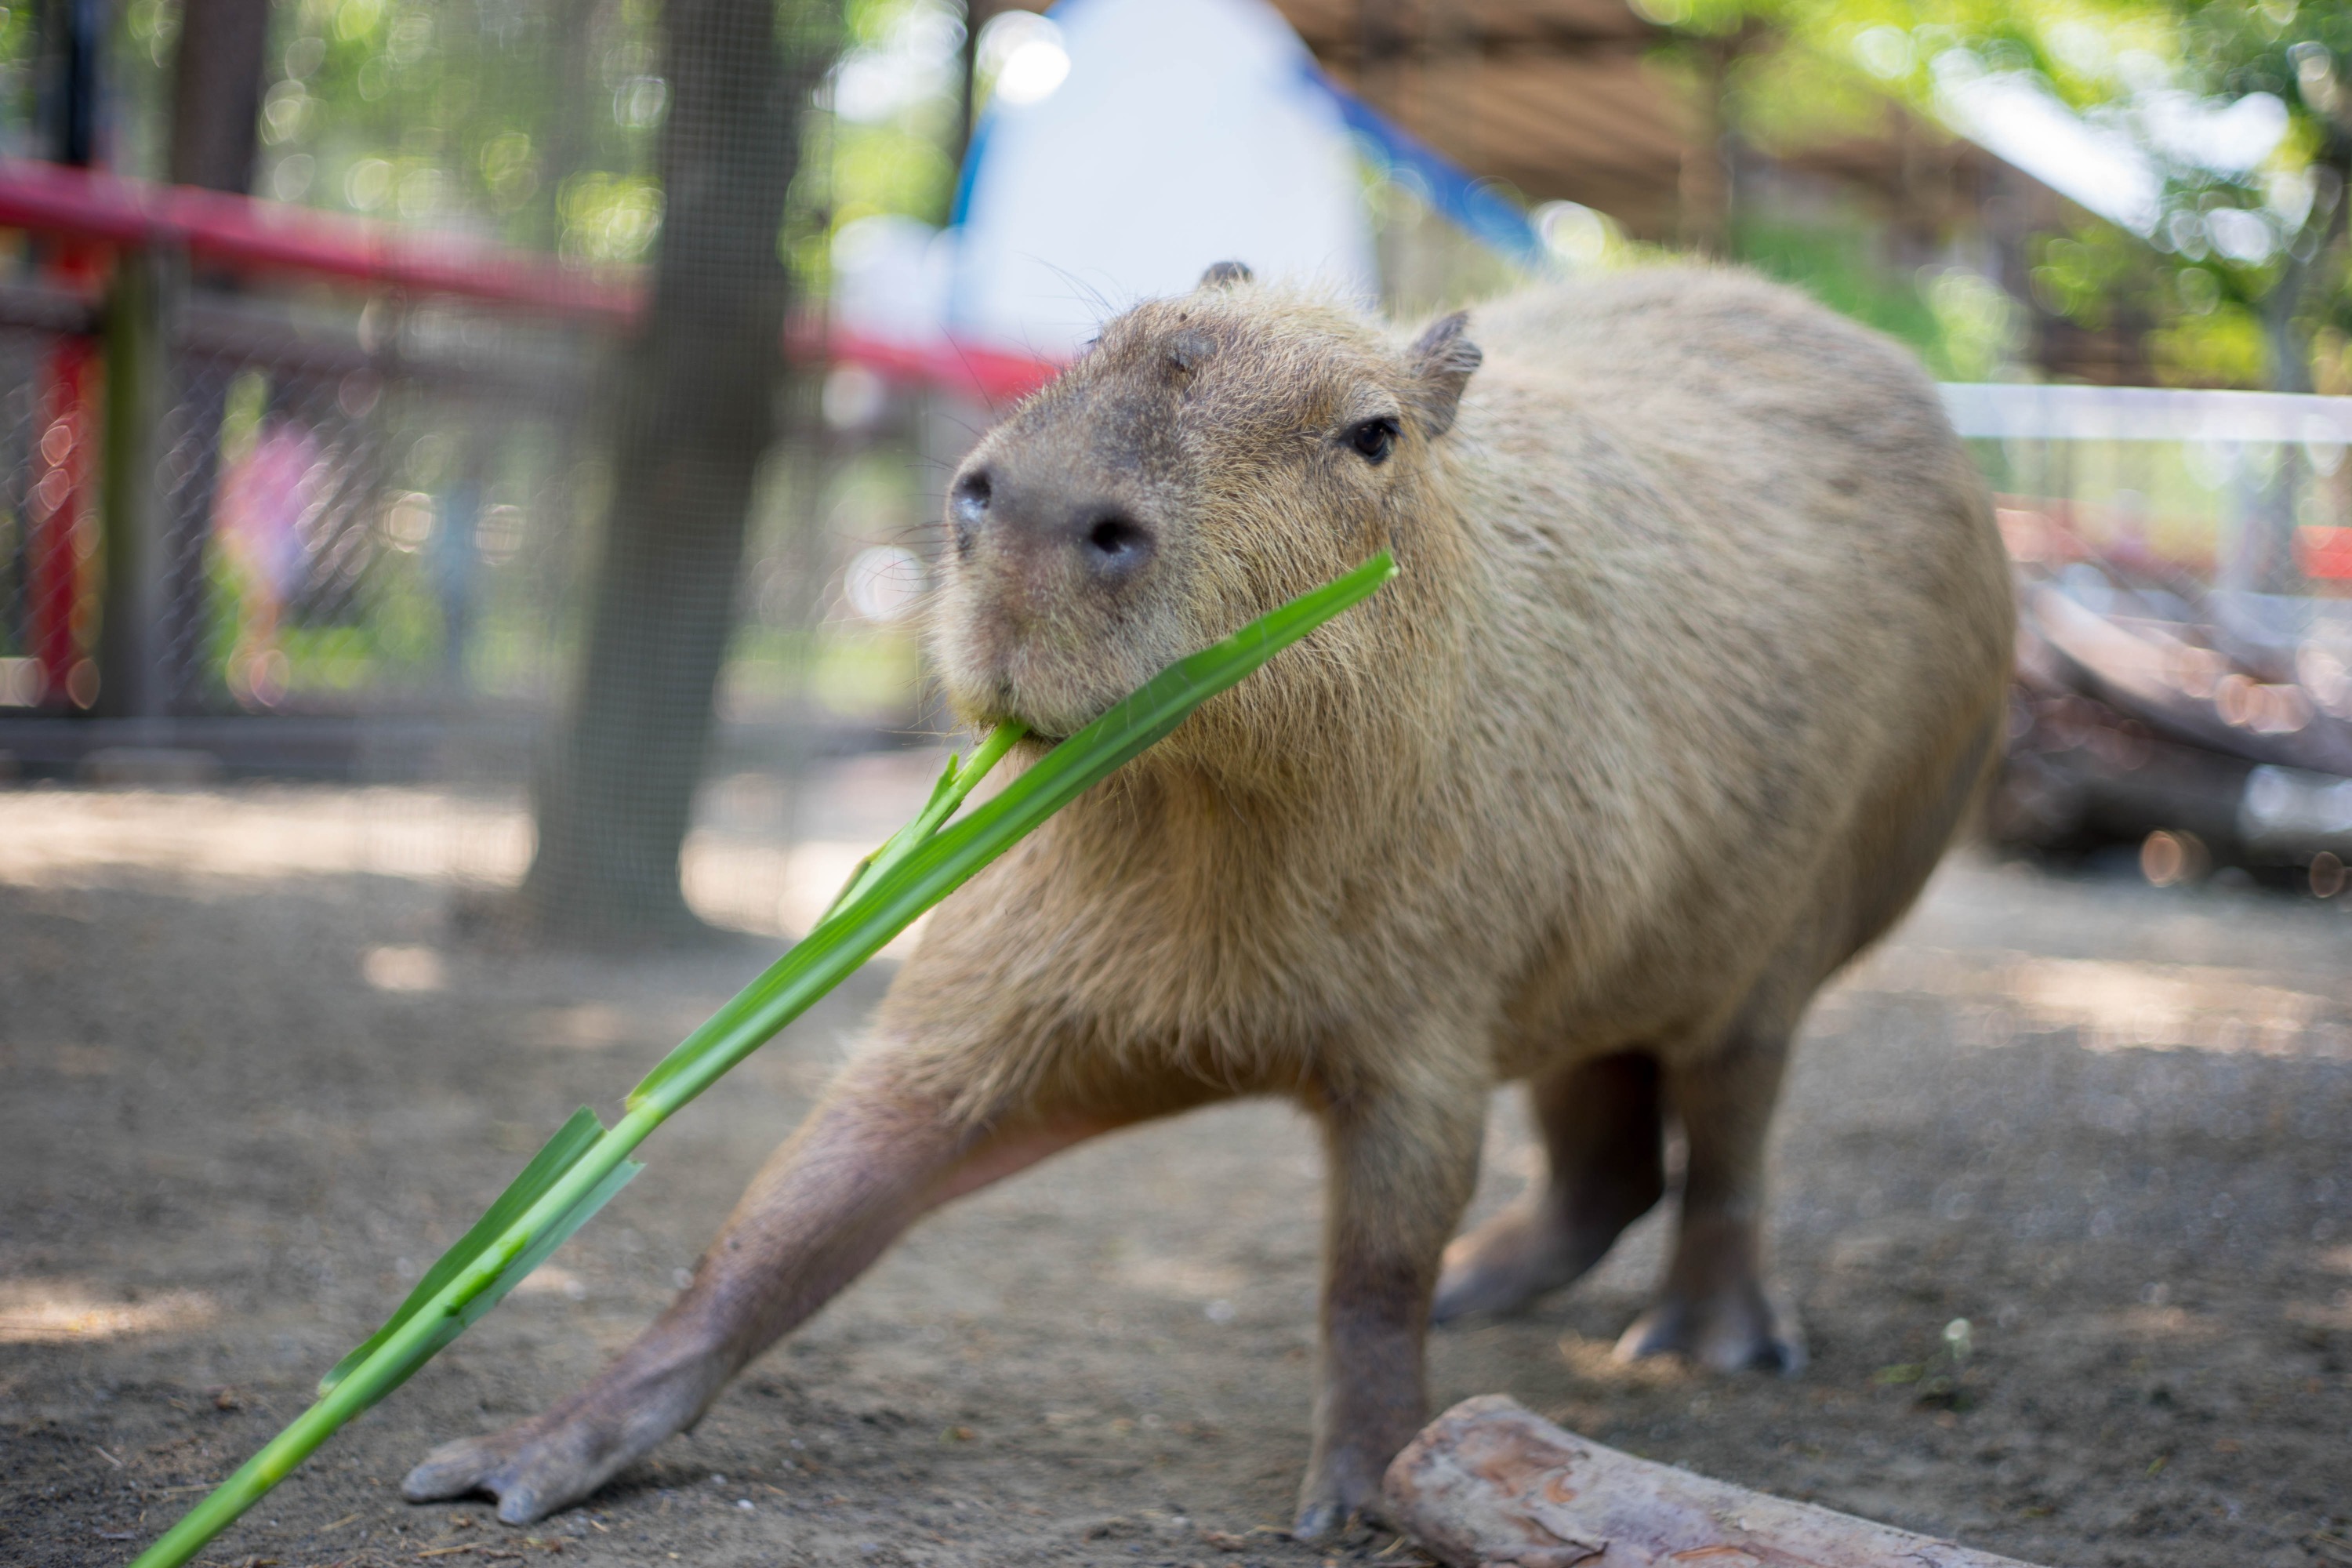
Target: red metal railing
241,234
91,223
245,235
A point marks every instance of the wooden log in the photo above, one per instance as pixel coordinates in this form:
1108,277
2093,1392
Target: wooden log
1490,1484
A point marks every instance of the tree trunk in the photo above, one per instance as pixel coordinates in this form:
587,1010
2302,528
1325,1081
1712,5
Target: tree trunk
217,93
693,405
216,73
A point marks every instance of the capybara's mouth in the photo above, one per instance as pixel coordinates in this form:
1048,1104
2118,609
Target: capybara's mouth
1051,703
999,703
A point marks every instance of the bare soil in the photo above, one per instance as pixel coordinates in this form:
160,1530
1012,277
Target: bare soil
254,1079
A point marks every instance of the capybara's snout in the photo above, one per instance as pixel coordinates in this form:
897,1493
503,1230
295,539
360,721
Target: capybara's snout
1050,533
1053,568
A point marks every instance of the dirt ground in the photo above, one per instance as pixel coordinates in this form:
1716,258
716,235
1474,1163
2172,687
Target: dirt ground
255,1080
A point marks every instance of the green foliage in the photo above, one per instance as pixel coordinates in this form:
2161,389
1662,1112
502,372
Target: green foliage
2225,347
885,170
1787,100
2085,276
534,121
1835,262
897,92
2229,247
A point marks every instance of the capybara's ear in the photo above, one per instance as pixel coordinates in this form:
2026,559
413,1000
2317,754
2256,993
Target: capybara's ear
1224,275
1442,360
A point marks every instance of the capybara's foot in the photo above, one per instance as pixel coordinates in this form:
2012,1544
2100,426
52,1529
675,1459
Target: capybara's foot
1530,1250
1733,1328
1319,1520
1326,1507
553,1460
1506,1264
1343,1481
532,1468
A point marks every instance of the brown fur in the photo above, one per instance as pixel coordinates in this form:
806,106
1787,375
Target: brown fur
1690,673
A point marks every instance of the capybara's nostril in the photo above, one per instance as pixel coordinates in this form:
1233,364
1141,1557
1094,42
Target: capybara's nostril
1117,544
968,508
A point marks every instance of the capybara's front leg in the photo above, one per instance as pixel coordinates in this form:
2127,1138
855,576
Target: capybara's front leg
1402,1163
868,1161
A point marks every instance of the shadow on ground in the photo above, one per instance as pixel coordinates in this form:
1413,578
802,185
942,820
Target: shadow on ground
2109,1128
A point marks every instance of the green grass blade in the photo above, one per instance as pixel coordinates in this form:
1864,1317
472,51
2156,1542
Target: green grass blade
953,786
890,897
384,1379
543,1246
547,1167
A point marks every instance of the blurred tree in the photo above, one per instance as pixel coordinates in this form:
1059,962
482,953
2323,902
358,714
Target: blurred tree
218,68
217,93
2296,52
693,402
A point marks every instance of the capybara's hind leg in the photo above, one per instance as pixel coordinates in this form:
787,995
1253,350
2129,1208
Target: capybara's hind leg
1713,1308
1601,1126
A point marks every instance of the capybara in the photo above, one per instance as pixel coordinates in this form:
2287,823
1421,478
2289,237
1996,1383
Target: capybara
1695,663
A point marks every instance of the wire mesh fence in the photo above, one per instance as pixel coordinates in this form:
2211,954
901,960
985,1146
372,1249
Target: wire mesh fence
369,514
22,346
376,519
358,510
369,510
46,531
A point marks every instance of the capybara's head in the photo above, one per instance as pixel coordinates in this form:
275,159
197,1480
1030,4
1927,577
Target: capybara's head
1206,459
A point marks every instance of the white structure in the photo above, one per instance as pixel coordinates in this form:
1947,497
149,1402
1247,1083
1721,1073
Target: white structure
1168,134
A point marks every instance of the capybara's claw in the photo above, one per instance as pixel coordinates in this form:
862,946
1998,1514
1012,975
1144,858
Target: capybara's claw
452,1470
1318,1521
520,1505
1736,1331
533,1470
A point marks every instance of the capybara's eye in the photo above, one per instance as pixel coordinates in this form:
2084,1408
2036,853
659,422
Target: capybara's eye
1373,438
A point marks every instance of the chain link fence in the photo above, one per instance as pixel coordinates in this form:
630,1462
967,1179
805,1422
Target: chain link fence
358,510
377,517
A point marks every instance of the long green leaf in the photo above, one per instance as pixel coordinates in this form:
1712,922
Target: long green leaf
389,1372
890,902
547,1167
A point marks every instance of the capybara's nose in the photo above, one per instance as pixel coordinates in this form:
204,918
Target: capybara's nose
968,506
1043,521
1111,543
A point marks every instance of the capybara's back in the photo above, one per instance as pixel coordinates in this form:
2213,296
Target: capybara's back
1693,667
1750,622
